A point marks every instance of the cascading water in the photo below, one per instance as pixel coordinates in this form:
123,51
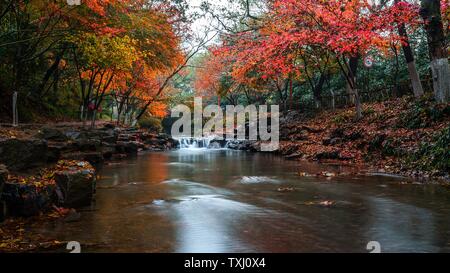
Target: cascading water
191,143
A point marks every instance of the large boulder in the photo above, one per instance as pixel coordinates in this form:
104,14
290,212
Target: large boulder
332,155
57,149
73,135
94,158
88,144
3,178
109,136
76,185
21,154
52,134
244,145
214,145
217,143
22,199
108,151
127,147
27,200
160,142
109,126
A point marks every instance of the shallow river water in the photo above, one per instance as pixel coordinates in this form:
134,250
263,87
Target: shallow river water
229,201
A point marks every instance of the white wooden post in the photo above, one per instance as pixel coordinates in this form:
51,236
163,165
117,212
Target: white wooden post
15,112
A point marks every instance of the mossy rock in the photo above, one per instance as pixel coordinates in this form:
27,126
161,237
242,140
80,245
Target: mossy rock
22,154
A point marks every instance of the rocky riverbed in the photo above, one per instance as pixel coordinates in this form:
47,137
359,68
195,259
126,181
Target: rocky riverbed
47,173
55,166
27,148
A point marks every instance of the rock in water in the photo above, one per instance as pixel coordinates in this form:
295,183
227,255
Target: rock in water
21,154
76,186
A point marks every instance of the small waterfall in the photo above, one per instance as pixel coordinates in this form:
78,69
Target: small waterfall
191,143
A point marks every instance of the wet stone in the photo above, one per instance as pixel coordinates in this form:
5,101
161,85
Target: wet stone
27,200
21,154
52,134
3,178
76,187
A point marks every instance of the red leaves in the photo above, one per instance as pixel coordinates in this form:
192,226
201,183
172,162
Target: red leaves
208,77
291,27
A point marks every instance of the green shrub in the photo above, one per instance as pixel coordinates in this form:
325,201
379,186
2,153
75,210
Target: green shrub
344,117
368,112
151,123
423,114
434,155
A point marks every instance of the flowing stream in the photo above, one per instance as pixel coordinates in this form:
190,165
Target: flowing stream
200,200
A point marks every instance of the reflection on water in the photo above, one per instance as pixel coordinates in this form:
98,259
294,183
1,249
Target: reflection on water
402,227
206,223
228,201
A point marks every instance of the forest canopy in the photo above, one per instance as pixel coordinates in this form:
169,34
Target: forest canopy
313,54
77,60
132,58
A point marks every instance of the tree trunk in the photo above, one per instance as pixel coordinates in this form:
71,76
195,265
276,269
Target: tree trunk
333,100
291,94
318,90
441,79
431,14
352,76
410,61
358,105
415,79
94,118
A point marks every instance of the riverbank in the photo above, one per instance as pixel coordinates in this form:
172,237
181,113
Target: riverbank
31,146
47,172
400,136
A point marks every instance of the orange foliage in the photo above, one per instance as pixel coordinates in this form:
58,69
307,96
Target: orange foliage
209,74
